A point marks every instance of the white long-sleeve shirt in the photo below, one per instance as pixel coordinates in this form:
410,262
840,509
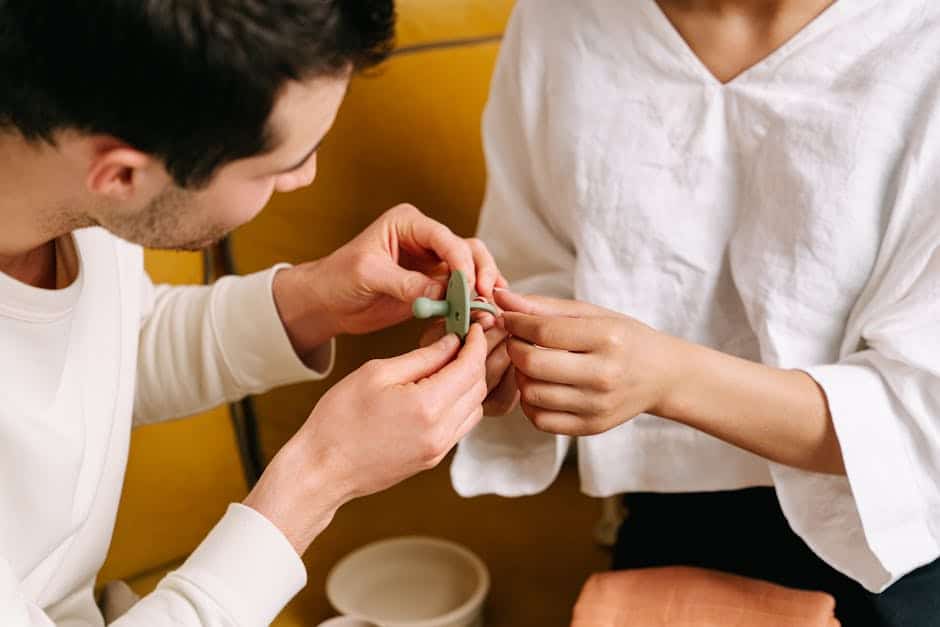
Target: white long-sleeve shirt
790,217
75,365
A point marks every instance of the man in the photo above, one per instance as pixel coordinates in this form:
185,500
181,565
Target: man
167,124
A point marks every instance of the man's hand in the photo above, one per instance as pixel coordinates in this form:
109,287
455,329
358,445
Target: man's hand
385,422
371,282
582,369
502,393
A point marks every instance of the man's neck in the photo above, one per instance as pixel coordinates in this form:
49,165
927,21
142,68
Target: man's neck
36,267
31,202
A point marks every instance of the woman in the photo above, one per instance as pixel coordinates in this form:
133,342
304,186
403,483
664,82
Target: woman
746,194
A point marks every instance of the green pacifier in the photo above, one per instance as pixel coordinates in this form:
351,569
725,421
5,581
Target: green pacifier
456,308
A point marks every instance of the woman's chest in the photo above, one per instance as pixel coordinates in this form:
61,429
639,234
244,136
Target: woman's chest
690,202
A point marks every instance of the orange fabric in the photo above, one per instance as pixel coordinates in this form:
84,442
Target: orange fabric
692,597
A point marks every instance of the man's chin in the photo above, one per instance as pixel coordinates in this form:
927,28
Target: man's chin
207,239
196,246
165,244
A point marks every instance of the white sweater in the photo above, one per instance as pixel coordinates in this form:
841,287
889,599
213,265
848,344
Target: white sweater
790,217
74,365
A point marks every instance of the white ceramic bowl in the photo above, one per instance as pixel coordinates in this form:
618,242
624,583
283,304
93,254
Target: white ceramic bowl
346,621
411,582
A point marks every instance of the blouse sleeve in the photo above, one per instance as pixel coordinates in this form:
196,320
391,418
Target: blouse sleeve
884,397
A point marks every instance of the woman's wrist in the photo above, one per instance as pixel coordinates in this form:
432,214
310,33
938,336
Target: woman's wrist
781,415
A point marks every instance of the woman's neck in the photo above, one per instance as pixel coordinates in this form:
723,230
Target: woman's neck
756,8
730,36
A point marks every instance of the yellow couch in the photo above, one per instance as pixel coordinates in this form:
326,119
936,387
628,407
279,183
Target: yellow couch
408,132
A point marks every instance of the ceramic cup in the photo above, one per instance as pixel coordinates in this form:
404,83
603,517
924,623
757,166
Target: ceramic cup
411,582
346,621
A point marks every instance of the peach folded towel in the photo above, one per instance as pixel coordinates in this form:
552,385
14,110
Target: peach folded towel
693,597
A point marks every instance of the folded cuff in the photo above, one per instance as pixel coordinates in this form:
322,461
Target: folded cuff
247,566
252,337
877,504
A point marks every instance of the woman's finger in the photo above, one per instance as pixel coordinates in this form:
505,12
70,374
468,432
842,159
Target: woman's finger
560,423
497,364
503,398
569,334
555,366
554,396
535,305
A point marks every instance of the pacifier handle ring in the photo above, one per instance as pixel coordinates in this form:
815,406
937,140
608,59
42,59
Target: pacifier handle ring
455,308
484,306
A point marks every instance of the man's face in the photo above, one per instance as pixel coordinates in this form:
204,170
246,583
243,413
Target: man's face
178,218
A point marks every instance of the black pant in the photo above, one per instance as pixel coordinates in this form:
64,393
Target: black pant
744,532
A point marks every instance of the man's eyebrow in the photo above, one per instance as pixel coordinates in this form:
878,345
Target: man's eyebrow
306,158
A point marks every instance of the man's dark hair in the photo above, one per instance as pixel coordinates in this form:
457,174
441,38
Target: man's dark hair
192,82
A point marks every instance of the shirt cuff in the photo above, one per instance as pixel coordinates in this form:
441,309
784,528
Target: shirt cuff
247,566
252,337
880,494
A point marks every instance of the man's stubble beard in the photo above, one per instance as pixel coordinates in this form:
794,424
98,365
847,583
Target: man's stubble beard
162,223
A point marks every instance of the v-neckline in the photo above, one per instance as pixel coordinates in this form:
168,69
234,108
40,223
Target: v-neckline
679,43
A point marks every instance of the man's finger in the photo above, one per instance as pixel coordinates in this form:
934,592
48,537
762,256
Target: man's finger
570,334
488,275
417,232
468,424
407,285
544,306
420,363
457,412
435,331
461,374
467,404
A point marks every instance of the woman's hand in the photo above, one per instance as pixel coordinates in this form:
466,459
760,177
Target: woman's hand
582,369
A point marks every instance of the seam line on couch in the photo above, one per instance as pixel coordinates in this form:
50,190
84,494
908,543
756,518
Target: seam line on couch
447,43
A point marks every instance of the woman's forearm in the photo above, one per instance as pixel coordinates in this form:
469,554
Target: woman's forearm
782,415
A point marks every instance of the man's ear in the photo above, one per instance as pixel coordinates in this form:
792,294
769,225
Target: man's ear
120,172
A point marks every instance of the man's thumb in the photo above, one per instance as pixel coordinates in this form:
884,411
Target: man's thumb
406,286
422,362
